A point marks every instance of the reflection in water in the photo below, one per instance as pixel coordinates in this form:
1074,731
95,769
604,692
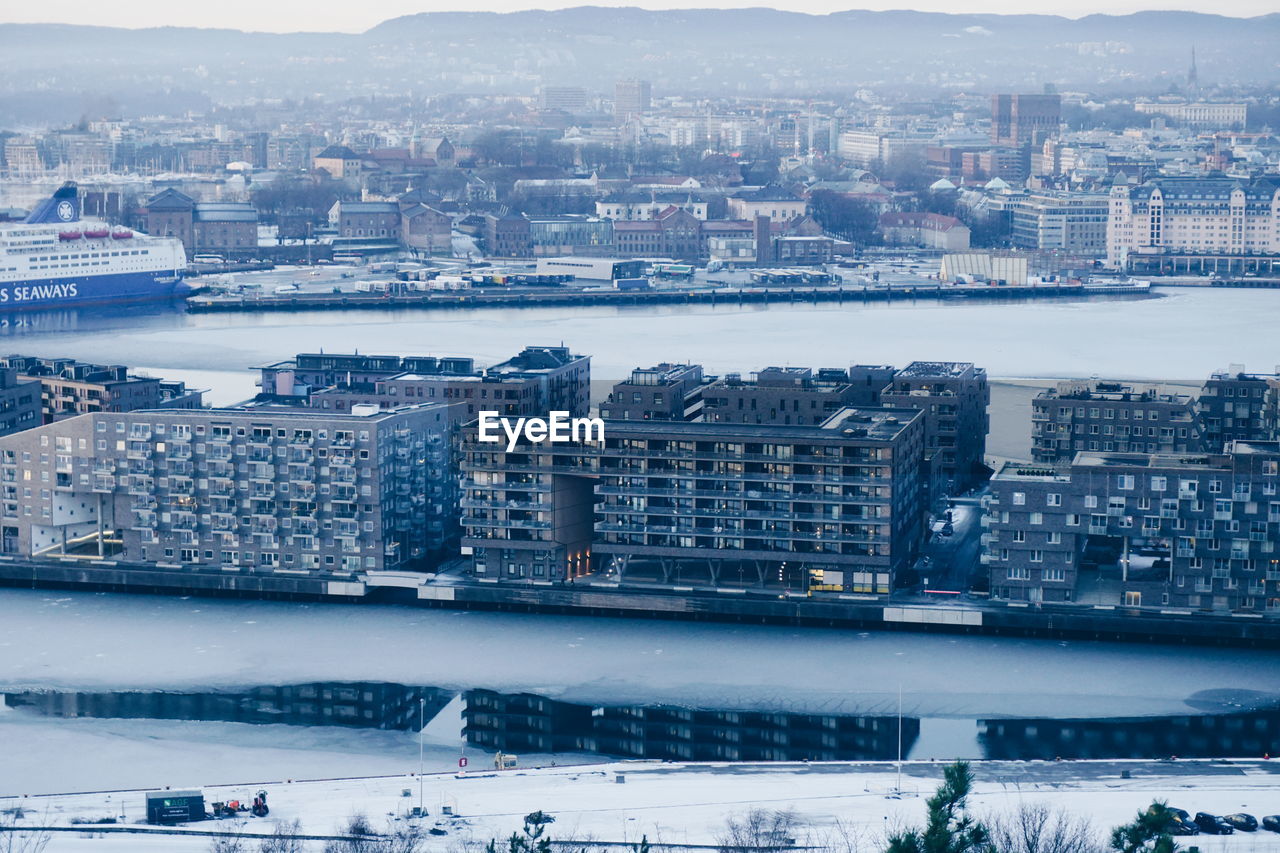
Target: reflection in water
1195,736
372,706
91,318
525,722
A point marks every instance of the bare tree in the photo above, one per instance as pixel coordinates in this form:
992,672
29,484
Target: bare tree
841,837
19,837
283,839
406,837
759,830
228,844
1038,828
360,837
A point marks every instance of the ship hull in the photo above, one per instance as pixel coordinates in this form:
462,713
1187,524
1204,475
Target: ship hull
71,291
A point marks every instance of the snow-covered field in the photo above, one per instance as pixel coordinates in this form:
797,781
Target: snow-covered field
102,641
688,804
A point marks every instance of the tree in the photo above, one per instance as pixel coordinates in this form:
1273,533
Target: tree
949,828
15,838
844,217
759,829
1036,828
283,839
1148,833
360,837
533,839
228,844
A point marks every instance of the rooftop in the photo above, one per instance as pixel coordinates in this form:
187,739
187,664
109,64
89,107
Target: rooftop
922,369
846,424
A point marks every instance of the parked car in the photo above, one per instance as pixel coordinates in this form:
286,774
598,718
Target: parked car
1212,824
1241,821
1271,822
1182,823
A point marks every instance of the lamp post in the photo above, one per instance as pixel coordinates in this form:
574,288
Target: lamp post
422,710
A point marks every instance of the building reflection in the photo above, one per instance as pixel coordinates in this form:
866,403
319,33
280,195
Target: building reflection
523,721
373,705
1200,736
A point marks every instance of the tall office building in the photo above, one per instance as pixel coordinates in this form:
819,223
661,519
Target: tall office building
631,97
1018,120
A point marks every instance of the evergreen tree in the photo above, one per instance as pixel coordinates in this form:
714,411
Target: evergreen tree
1148,833
948,827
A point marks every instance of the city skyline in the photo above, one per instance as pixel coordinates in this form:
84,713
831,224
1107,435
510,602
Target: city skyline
298,16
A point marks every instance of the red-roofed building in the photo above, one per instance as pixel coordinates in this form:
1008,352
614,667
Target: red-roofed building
924,230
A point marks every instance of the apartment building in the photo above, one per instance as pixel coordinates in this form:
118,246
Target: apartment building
533,382
835,506
1194,531
20,402
245,490
1218,216
69,387
792,395
1239,406
953,397
1112,416
668,392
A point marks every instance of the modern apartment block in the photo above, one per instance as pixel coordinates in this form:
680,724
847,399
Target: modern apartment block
953,397
668,392
792,395
70,387
1193,531
533,382
1112,416
20,402
835,506
1239,406
245,490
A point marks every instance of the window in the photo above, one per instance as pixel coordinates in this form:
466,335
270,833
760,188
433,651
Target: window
1053,499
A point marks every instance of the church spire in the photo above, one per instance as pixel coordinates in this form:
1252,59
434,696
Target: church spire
1193,78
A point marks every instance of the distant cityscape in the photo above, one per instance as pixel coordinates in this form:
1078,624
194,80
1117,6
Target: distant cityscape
350,473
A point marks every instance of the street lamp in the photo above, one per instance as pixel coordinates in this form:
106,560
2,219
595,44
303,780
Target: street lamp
422,710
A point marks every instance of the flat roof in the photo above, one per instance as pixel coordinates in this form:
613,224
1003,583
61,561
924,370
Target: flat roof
878,424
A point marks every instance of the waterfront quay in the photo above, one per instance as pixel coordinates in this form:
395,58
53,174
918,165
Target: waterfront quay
728,604
545,297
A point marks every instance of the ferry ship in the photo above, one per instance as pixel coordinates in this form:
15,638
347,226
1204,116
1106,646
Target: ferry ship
54,259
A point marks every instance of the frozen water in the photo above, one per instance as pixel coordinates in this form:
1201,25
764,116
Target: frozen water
102,642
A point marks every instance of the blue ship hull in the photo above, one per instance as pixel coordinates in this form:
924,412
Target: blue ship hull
71,291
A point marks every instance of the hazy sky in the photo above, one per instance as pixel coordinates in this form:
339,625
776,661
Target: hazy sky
346,16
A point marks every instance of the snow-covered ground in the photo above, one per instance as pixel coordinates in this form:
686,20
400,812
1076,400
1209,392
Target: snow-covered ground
688,804
104,641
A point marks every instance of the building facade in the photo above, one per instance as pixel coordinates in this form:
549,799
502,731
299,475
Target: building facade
953,397
69,387
835,507
1239,406
247,490
1193,531
666,392
1066,222
1112,416
1194,216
